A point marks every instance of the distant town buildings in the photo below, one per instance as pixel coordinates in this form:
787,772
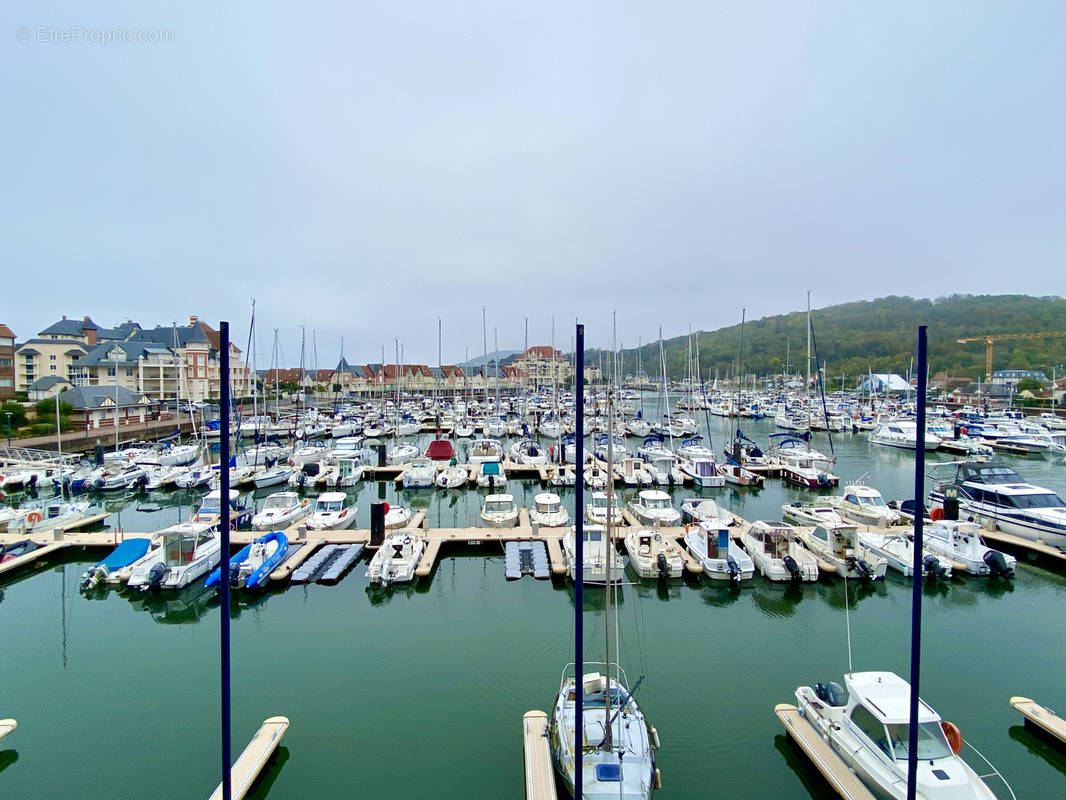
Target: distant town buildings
7,363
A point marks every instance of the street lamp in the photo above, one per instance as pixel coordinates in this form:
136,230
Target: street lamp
8,415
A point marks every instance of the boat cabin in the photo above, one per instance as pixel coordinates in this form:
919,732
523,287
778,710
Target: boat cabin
879,711
180,542
773,537
547,503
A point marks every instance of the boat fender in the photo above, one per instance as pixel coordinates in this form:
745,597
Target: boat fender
953,734
653,735
792,567
658,779
997,564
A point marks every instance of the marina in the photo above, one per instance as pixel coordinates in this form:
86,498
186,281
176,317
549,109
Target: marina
461,584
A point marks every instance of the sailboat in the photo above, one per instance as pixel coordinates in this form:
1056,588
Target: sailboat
617,761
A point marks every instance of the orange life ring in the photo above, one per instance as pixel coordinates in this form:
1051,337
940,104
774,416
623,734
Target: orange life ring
33,517
953,734
936,514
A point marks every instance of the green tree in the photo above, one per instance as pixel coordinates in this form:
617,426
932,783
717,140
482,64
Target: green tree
1029,384
17,412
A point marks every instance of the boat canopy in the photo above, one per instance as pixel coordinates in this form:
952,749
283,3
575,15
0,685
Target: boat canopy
440,450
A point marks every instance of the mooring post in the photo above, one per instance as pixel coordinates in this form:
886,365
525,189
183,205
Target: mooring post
223,474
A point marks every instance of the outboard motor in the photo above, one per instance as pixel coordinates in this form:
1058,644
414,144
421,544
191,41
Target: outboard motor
931,565
864,569
734,568
33,481
664,566
997,564
793,568
155,575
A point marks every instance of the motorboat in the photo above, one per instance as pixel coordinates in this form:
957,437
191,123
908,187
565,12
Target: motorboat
693,448
491,474
995,496
440,452
703,471
652,507
251,566
961,543
664,469
777,552
865,505
548,512
697,510
10,552
635,473
738,476
596,511
528,451
397,517
420,474
839,544
562,475
722,558
194,477
115,476
499,511
902,433
47,516
177,556
594,476
124,554
273,476
867,723
800,465
452,477
281,510
396,559
596,550
484,450
651,555
618,767
817,513
401,454
332,512
210,511
898,550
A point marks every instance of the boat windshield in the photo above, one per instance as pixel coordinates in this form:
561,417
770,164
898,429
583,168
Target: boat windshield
547,508
704,468
210,506
1049,500
497,506
330,505
932,743
656,503
876,500
276,502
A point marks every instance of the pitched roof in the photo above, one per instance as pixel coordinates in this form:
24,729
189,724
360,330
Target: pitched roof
46,383
542,351
70,327
84,398
344,366
54,342
6,331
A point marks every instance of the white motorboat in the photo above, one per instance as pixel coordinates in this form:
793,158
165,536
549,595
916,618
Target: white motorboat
52,515
839,544
332,512
194,477
499,511
697,510
664,469
817,513
491,475
402,453
177,556
738,476
562,475
865,505
115,476
594,477
651,555
397,517
703,471
902,433
452,477
210,510
596,511
635,473
596,550
548,511
420,474
898,550
528,451
961,543
721,557
281,510
995,496
652,507
777,552
396,559
868,726
484,450
273,476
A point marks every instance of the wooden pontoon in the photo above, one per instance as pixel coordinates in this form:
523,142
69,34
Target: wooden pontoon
842,779
254,757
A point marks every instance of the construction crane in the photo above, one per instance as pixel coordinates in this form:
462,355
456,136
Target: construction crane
999,337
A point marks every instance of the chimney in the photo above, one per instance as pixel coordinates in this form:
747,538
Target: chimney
90,334
64,316
192,320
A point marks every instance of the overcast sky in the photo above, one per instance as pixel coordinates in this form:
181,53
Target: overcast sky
363,168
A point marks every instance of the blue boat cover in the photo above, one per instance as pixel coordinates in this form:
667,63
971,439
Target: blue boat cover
125,554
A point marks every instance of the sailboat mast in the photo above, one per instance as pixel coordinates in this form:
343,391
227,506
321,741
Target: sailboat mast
607,558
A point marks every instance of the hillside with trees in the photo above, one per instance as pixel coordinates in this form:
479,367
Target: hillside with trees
878,335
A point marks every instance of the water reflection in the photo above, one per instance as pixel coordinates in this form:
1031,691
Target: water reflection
178,608
270,773
1040,743
833,592
7,758
382,595
721,593
776,599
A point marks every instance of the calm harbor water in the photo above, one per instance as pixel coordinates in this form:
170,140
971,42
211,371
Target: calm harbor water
419,691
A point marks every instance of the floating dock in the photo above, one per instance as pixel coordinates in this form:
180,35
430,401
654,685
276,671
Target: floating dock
254,757
7,726
30,558
842,779
298,553
999,537
525,558
1036,714
540,779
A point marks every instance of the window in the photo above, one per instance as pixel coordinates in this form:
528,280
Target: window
932,743
111,372
51,358
129,372
5,362
863,720
5,382
6,341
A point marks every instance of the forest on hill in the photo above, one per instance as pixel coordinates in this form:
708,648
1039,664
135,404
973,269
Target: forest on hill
876,335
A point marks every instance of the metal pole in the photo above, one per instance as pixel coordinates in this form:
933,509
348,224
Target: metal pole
223,474
916,588
579,557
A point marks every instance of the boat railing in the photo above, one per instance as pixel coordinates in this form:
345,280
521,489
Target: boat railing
995,773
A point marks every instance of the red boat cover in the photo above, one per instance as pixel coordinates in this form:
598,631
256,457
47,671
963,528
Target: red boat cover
440,450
